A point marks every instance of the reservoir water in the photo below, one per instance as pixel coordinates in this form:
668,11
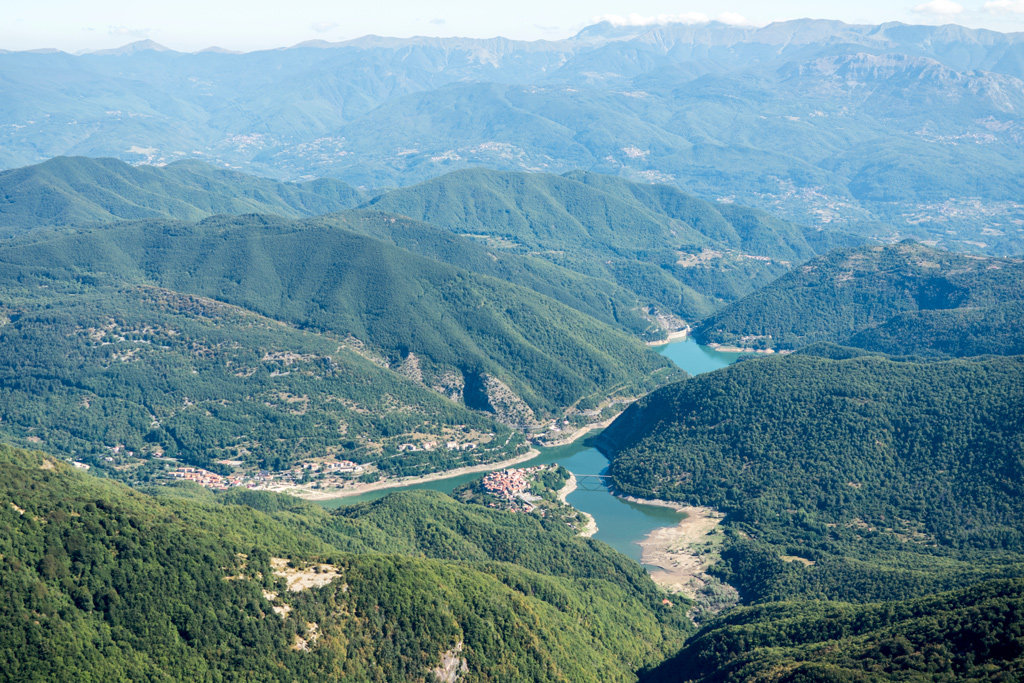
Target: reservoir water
620,524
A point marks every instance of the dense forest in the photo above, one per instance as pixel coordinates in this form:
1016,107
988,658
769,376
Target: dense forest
107,583
463,328
918,299
966,635
892,478
873,524
595,296
89,368
683,253
871,490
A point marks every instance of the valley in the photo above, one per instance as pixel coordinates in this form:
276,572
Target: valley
514,408
675,350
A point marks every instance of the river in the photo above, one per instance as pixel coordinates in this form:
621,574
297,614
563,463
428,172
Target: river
620,524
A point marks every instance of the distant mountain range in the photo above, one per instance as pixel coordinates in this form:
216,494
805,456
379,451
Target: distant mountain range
889,129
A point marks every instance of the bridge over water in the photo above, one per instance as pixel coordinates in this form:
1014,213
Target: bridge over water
592,482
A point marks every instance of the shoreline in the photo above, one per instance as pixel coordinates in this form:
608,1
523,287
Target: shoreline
670,555
657,502
678,335
360,489
590,524
570,486
579,433
722,348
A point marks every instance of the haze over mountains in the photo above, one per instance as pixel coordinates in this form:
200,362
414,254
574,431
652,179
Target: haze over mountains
824,122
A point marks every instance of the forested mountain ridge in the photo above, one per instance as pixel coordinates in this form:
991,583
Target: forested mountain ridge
683,253
966,635
107,582
893,478
593,295
621,251
124,376
304,301
916,296
79,190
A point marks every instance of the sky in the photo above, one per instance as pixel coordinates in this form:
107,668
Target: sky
190,25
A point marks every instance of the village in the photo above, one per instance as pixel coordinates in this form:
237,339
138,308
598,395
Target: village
263,478
517,490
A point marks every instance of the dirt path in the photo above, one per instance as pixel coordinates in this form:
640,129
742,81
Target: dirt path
670,549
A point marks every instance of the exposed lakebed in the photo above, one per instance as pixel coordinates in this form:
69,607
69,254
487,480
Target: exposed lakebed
621,524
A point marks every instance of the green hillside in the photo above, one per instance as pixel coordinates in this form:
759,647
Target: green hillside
960,332
968,635
79,190
852,291
665,246
497,346
89,368
594,296
106,583
892,478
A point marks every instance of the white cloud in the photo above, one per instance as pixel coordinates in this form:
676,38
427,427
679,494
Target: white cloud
734,19
438,21
942,8
323,26
640,20
130,32
1004,7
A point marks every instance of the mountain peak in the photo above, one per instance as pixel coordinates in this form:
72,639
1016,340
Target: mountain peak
132,48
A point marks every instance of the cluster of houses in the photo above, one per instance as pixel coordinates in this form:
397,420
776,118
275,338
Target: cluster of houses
512,487
205,478
339,466
215,481
431,445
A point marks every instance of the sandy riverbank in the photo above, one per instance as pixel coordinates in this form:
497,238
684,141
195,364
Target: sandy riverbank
357,489
746,349
590,524
570,486
590,528
671,549
678,507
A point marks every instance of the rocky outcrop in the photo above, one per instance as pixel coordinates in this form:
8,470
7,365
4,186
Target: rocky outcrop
410,368
450,384
452,665
507,407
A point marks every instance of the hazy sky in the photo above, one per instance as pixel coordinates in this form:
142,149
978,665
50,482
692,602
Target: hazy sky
187,25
